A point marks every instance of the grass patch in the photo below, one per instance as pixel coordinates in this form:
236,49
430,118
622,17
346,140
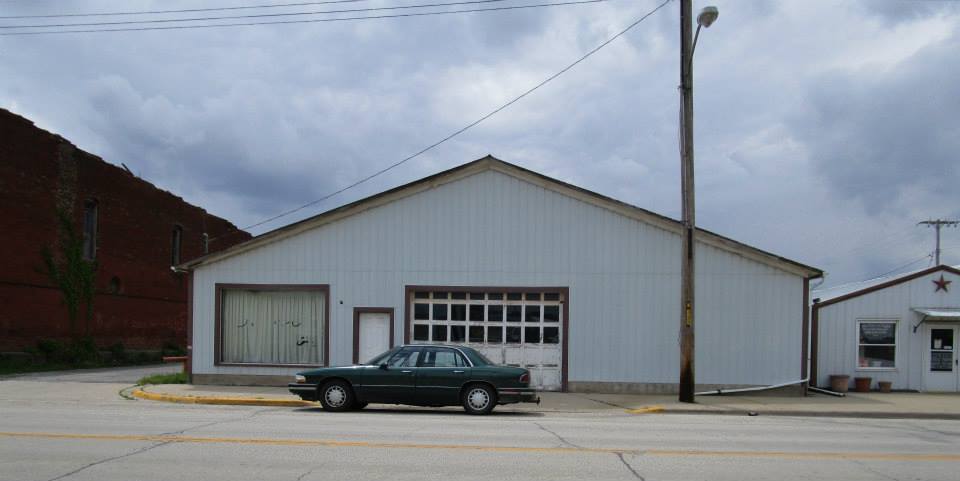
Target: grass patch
175,378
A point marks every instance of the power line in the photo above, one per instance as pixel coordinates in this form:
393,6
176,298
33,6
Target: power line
314,20
465,128
184,10
254,15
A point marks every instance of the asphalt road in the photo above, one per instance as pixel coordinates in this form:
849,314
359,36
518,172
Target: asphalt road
77,427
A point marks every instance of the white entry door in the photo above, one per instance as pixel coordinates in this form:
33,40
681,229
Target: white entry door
374,334
941,366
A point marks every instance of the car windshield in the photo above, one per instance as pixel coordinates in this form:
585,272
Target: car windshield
382,357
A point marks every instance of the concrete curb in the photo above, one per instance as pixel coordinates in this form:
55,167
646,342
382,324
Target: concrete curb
646,410
818,414
231,401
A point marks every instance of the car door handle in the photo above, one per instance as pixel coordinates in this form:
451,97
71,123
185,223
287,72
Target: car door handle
406,372
458,372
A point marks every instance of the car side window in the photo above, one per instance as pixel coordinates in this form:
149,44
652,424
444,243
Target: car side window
443,358
405,358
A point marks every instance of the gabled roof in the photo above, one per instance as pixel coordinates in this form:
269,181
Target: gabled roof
849,291
489,163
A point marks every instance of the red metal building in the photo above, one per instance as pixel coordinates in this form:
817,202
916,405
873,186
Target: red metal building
130,230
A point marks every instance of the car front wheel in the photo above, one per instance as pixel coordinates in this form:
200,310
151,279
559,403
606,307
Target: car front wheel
479,399
336,396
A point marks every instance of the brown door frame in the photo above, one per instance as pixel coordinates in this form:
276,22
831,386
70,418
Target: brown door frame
356,326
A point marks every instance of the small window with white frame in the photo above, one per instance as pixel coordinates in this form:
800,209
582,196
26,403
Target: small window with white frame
877,344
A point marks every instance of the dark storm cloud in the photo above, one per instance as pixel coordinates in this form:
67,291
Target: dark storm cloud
896,11
795,136
875,137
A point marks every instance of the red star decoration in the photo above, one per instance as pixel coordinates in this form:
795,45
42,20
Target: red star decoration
941,284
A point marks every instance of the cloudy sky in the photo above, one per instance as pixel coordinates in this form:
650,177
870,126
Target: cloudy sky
825,129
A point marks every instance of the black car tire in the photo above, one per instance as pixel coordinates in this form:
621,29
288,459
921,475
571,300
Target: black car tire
479,399
336,396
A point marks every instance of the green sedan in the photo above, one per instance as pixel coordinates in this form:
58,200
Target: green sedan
420,375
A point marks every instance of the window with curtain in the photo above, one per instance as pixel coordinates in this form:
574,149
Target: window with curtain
272,326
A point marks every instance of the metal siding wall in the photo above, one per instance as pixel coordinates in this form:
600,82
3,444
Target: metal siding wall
494,229
838,331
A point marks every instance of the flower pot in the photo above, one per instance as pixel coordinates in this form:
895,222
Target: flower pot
862,384
839,382
884,386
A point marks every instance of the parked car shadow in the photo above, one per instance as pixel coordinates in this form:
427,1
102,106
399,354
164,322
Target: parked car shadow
415,410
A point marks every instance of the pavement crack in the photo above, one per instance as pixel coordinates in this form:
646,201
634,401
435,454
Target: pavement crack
870,470
114,458
308,472
634,471
214,423
561,438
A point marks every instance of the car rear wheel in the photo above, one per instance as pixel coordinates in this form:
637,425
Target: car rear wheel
479,399
336,396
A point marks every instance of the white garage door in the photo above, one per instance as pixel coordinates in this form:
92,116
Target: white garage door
513,328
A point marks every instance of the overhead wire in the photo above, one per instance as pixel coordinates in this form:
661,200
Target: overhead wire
252,15
182,10
462,129
313,20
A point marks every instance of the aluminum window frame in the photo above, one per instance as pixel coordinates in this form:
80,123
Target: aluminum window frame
895,345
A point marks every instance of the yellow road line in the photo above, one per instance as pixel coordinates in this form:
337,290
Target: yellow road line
518,449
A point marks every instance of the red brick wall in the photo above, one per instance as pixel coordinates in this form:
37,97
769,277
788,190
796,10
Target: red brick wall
40,171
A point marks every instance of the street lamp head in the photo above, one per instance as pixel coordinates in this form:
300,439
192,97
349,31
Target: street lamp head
707,16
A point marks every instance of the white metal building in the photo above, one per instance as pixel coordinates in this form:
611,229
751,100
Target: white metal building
901,329
580,288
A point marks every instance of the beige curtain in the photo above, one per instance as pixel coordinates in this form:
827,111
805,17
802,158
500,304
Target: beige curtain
272,327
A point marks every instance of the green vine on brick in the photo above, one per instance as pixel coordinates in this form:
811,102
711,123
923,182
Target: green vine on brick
70,272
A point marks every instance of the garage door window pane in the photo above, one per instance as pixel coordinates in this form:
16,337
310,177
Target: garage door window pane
457,333
495,313
514,296
458,312
513,335
494,334
477,296
421,332
531,335
439,312
514,313
495,296
476,333
551,313
441,295
551,296
458,295
533,296
532,313
476,313
439,333
421,295
551,335
421,312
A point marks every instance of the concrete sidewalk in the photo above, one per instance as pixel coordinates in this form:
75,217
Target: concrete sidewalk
876,405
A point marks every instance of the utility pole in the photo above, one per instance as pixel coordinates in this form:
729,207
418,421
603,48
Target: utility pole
687,377
937,224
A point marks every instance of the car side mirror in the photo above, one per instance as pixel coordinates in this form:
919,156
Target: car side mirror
383,366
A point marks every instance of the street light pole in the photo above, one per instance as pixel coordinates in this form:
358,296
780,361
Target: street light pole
687,377
687,46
